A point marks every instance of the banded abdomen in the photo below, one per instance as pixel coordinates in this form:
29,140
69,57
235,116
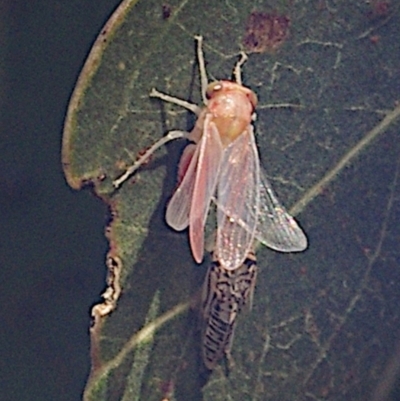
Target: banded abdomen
224,294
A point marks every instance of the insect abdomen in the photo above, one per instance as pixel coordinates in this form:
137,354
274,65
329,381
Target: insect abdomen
224,295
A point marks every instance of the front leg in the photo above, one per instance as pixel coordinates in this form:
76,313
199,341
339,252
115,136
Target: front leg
174,100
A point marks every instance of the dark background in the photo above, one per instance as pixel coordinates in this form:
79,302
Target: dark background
52,245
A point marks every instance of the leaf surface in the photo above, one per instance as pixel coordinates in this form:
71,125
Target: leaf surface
323,324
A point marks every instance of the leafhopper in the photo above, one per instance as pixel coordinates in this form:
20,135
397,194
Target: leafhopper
222,165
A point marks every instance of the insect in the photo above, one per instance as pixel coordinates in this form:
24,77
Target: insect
222,165
225,293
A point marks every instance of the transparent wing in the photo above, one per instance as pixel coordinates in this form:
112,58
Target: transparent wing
238,200
178,209
276,228
208,166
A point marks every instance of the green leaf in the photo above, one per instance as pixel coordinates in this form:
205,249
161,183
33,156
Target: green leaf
323,322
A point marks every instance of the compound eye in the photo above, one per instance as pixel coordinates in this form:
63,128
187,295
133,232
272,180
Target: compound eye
212,88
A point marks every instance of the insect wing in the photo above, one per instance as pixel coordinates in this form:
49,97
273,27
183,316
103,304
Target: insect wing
208,167
191,201
238,200
178,209
276,228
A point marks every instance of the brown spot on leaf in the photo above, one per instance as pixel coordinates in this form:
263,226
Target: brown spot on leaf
166,11
265,32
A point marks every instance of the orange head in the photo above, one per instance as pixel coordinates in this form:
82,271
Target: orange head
231,106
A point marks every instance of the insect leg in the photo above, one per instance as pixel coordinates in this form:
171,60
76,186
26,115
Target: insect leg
169,137
174,100
202,68
179,102
237,71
